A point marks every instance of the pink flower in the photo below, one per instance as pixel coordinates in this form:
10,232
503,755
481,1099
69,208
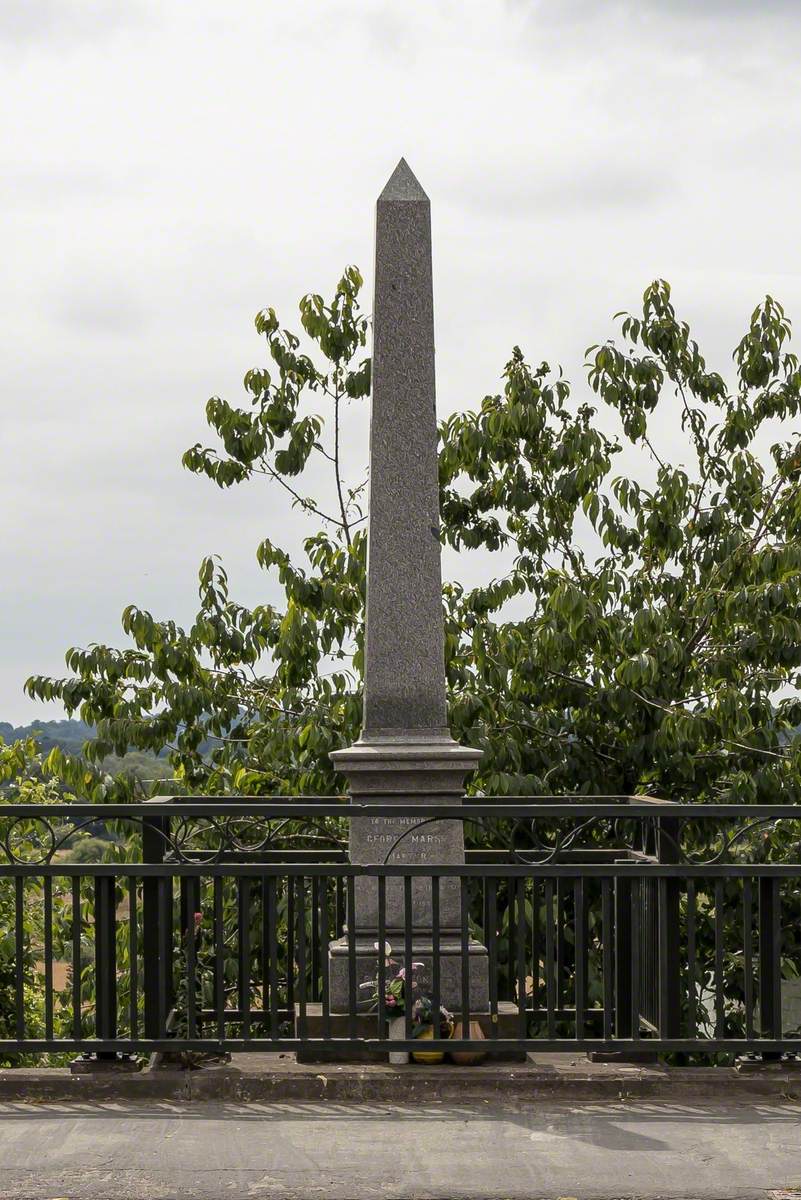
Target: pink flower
198,920
391,1002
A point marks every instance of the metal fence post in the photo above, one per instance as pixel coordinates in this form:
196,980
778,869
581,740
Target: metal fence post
156,931
105,960
667,851
770,974
623,1023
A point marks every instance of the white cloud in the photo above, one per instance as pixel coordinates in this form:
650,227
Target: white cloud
44,22
576,189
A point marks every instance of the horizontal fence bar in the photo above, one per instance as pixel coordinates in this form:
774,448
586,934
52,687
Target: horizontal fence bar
558,808
628,870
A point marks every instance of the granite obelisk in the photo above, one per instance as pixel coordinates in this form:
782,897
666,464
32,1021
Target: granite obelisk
406,752
404,694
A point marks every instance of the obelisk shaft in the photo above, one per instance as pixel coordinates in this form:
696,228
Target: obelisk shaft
404,659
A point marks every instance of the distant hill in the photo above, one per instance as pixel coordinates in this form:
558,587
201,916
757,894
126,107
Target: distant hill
70,737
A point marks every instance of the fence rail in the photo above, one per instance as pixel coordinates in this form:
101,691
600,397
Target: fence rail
617,924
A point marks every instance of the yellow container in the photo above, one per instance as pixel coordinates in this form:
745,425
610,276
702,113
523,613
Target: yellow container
428,1056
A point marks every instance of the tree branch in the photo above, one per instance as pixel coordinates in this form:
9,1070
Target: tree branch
337,474
309,505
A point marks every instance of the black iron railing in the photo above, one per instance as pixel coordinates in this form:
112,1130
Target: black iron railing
612,924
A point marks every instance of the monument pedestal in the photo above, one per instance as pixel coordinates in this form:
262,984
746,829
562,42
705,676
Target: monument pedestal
414,767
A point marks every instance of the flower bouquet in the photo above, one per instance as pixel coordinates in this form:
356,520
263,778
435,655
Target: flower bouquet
398,990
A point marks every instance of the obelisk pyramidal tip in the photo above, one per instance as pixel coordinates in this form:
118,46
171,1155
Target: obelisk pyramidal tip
403,184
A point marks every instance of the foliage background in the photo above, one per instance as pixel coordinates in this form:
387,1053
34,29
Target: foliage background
656,637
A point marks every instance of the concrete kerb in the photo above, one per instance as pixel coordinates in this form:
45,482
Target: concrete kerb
280,1078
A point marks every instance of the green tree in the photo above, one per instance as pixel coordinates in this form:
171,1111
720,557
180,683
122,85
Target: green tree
25,778
21,783
655,641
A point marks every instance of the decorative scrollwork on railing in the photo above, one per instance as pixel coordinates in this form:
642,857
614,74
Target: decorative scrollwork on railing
538,849
669,837
712,844
195,839
36,839
28,841
213,838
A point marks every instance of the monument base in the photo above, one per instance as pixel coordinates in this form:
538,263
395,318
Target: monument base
507,1026
450,971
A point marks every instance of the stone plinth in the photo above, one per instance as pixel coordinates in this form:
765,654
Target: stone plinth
418,770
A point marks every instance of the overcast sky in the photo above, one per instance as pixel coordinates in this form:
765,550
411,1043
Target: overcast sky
172,166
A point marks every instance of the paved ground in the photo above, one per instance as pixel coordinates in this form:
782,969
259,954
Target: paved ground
348,1151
